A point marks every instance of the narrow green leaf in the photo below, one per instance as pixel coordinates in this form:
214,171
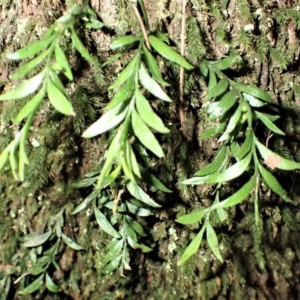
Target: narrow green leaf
232,124
58,100
212,79
62,60
195,180
192,248
124,157
51,286
213,242
162,37
144,134
238,196
203,68
113,58
139,194
124,40
71,243
268,123
136,226
107,121
33,287
112,153
151,85
138,211
57,82
214,110
125,74
4,158
253,90
31,49
38,239
226,62
153,67
136,245
148,115
215,165
123,94
30,65
193,217
84,182
233,172
281,162
104,223
114,250
218,89
253,101
26,88
273,183
113,265
79,46
167,52
152,180
246,146
228,100
30,106
133,161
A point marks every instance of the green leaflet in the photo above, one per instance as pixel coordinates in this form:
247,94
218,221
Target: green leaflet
193,217
124,93
238,196
4,157
138,211
195,180
139,194
144,134
273,158
124,41
62,60
136,226
213,131
153,181
228,100
30,106
31,49
135,245
162,37
79,46
34,286
232,124
218,89
233,172
192,248
215,165
26,88
58,100
104,223
203,68
151,85
246,146
213,242
125,74
153,66
273,183
253,101
167,52
133,161
147,114
107,121
51,286
214,110
254,91
56,81
38,239
113,264
113,251
125,159
268,123
71,243
226,62
112,152
24,69
212,79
